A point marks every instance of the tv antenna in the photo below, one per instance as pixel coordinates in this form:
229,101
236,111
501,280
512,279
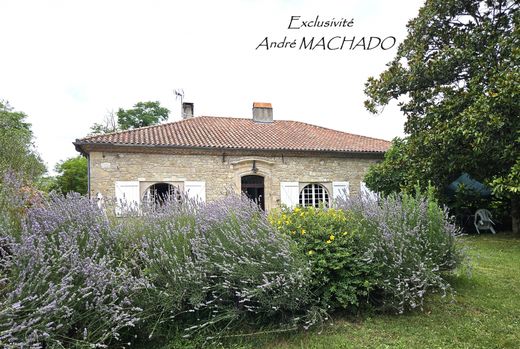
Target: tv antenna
179,94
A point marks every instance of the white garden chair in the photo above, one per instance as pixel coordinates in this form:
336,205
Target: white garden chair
483,220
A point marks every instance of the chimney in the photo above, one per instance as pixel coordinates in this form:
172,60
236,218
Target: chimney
187,110
262,112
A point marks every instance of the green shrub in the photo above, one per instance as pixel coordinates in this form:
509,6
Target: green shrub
331,241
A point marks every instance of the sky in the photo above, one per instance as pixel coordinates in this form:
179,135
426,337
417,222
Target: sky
66,64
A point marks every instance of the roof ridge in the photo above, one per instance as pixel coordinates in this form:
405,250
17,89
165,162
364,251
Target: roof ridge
331,129
299,122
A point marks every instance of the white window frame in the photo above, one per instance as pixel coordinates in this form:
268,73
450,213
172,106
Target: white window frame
301,198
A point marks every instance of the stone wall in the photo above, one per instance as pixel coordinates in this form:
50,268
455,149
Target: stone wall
223,172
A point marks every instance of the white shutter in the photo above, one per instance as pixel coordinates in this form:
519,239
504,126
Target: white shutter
366,193
195,190
127,196
289,193
340,190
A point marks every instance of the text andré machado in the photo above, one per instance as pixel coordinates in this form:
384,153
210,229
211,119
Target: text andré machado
327,43
333,43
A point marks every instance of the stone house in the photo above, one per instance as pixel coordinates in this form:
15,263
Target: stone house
273,161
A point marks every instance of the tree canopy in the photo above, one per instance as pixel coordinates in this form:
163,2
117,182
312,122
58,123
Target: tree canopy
108,125
72,176
142,114
390,175
17,152
456,77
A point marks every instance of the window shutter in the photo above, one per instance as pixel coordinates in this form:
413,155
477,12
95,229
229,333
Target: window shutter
366,193
289,193
340,190
127,196
195,190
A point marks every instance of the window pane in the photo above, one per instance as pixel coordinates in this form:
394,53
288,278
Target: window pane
314,195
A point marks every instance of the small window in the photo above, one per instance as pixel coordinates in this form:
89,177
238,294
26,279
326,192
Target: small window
314,195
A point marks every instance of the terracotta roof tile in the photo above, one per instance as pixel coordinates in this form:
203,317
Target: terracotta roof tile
236,133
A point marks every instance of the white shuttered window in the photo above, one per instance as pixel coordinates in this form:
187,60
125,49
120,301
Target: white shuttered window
195,190
127,196
289,193
340,190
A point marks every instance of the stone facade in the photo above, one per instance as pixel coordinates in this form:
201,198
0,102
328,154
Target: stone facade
222,172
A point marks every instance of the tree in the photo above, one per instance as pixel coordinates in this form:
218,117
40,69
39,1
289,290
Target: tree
108,125
72,176
142,114
508,186
17,152
389,175
457,79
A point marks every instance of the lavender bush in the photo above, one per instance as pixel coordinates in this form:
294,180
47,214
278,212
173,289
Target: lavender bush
71,276
74,277
215,265
409,242
63,284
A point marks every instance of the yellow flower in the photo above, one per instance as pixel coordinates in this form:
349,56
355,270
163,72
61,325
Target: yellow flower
328,241
344,233
303,231
311,252
331,238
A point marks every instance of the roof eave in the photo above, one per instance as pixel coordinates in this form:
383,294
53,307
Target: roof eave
79,147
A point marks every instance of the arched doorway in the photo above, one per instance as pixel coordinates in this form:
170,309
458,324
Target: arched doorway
159,193
253,187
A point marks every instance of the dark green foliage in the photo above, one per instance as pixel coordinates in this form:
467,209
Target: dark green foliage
72,176
142,114
457,77
17,153
20,167
389,175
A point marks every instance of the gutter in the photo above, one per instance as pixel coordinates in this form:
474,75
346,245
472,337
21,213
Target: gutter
88,175
78,145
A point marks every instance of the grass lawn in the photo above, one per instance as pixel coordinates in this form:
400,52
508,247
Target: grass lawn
485,313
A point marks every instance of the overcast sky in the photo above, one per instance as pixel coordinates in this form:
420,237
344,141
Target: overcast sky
68,63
